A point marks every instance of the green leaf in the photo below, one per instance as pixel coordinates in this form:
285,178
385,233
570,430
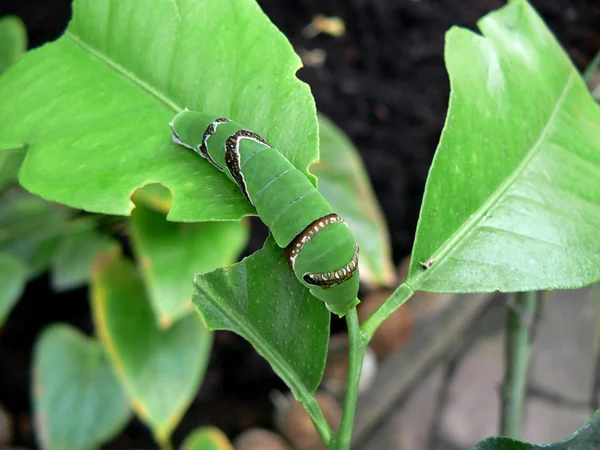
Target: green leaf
12,283
154,196
586,438
512,200
10,163
170,254
31,229
72,263
161,370
206,438
94,106
344,182
260,299
13,41
77,399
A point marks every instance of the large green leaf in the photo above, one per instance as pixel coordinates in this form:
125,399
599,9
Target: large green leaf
72,262
513,196
94,106
344,182
13,41
161,370
77,398
586,438
260,299
170,254
13,276
31,228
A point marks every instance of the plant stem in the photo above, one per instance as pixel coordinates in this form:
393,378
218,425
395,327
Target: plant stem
374,321
517,353
314,411
357,346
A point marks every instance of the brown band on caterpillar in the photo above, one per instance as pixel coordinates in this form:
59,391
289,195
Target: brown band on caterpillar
325,279
294,247
232,157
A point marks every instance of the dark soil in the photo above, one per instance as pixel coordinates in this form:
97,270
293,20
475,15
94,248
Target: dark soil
385,84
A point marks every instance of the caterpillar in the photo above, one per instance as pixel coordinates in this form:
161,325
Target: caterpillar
318,244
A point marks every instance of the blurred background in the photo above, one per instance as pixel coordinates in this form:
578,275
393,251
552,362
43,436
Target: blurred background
376,68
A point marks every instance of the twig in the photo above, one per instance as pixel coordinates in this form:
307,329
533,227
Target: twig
356,353
517,354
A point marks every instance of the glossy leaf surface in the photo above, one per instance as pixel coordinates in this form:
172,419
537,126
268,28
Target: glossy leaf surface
161,370
345,184
170,254
13,276
586,438
512,201
94,106
77,398
260,299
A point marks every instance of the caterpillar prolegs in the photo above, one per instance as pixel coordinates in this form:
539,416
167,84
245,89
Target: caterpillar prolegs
319,246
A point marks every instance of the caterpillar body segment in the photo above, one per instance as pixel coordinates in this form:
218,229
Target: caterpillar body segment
319,246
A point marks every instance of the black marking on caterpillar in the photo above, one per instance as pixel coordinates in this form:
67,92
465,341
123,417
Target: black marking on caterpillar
330,279
232,157
203,147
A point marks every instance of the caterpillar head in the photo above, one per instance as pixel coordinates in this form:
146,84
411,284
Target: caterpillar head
324,258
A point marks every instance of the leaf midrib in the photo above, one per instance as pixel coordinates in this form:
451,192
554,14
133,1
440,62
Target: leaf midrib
123,72
471,223
261,345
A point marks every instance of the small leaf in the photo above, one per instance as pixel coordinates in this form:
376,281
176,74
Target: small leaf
170,254
207,438
77,398
72,263
260,299
586,438
12,282
161,370
344,182
512,201
13,41
94,106
31,229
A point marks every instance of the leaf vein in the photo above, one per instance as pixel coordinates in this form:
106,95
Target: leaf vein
270,354
469,225
122,71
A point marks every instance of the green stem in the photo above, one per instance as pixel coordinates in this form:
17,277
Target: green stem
517,353
312,408
357,346
380,315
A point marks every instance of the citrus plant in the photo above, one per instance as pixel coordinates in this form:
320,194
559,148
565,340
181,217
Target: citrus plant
510,202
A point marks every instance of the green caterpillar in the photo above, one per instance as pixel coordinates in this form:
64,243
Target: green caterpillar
319,246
